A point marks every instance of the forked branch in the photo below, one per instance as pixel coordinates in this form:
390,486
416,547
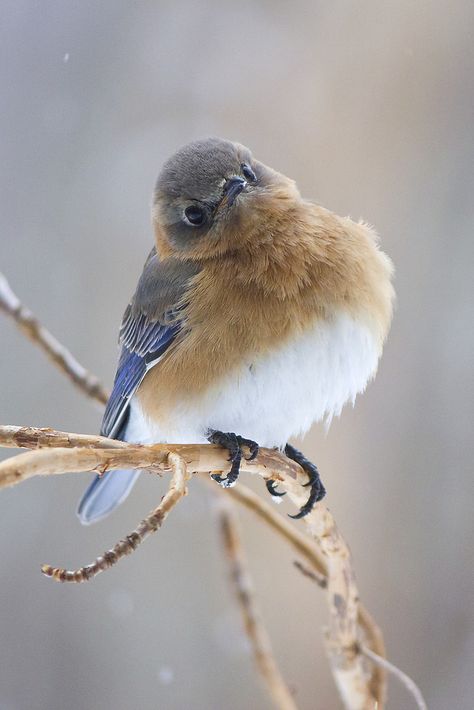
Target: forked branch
177,489
353,678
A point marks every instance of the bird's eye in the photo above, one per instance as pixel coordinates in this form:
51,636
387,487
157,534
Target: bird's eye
248,173
194,215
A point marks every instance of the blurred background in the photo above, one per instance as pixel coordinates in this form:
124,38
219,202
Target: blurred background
370,107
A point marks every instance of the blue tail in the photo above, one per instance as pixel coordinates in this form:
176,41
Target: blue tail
104,494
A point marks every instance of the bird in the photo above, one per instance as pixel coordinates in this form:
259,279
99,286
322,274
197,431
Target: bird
258,313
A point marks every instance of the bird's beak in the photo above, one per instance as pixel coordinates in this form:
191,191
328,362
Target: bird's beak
232,188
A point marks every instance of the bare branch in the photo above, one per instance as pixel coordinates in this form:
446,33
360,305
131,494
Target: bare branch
320,580
245,594
60,356
28,437
54,459
342,593
177,489
404,679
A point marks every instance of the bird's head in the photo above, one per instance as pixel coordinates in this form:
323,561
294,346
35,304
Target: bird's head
212,197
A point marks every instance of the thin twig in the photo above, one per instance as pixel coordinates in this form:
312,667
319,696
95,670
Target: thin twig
314,576
404,679
177,489
245,594
294,535
60,356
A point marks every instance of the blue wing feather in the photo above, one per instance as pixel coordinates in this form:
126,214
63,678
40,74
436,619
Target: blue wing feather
150,324
151,341
132,368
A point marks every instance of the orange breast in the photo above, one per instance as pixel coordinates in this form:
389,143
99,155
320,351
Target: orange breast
248,303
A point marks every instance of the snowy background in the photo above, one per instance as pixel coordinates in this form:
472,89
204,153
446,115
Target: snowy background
369,106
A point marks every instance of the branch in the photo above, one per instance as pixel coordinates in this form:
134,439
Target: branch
28,437
93,453
57,353
320,579
84,454
11,473
309,550
177,489
343,598
342,638
404,679
245,594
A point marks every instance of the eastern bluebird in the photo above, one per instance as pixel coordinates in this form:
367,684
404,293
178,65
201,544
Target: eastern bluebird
257,312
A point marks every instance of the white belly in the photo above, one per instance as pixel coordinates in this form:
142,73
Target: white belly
279,395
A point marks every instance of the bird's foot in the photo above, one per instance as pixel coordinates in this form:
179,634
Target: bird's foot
234,444
317,491
270,484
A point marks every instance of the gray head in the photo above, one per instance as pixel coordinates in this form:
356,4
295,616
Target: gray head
204,192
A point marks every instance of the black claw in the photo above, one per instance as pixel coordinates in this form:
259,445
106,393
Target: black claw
317,492
251,445
233,443
233,474
270,484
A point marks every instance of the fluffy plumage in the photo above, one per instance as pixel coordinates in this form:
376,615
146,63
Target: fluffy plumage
258,312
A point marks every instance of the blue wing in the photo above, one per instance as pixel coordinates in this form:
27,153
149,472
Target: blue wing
140,352
108,491
150,325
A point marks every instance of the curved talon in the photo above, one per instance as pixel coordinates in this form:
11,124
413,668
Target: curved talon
317,492
270,484
313,474
251,445
233,443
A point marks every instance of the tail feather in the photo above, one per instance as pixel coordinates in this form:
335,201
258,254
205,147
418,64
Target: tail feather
104,494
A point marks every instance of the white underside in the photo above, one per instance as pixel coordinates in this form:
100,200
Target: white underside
277,396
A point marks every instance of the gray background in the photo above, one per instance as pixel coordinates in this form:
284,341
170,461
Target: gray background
369,106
